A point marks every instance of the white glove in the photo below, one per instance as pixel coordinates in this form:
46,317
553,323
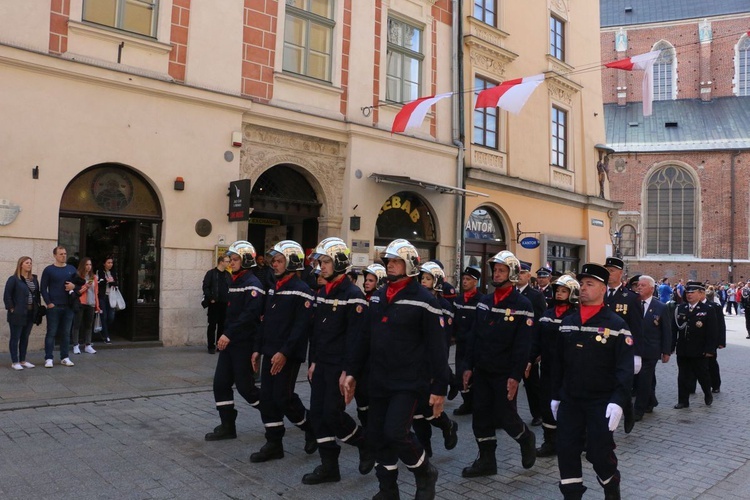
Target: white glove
637,363
554,405
614,414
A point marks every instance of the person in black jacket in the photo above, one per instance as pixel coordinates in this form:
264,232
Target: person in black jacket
465,305
543,277
107,278
591,384
340,316
566,290
244,307
215,297
22,299
405,344
496,356
721,342
282,340
531,375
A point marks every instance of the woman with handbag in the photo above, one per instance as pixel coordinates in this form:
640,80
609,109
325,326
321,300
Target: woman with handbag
89,299
107,280
22,301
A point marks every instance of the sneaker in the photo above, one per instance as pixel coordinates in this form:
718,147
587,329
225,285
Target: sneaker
67,362
16,366
89,349
107,341
76,349
26,364
48,363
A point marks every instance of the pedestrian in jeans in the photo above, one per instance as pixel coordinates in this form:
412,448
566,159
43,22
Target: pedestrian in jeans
89,305
216,296
732,300
59,293
106,279
21,298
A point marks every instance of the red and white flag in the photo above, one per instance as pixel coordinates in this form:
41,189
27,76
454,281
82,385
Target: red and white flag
511,95
412,114
644,62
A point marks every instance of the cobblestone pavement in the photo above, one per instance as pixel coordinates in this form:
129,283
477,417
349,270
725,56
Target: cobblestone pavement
129,423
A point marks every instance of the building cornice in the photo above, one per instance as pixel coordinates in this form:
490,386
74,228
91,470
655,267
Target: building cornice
667,24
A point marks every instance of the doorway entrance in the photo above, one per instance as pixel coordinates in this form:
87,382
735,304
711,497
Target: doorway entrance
484,238
109,210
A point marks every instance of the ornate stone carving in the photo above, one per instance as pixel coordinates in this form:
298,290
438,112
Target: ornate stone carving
488,64
561,179
560,7
485,159
558,93
322,161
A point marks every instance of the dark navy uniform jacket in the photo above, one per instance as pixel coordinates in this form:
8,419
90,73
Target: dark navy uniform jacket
721,323
287,320
449,319
501,338
545,340
537,299
595,360
245,306
466,313
339,319
405,343
627,305
696,330
657,331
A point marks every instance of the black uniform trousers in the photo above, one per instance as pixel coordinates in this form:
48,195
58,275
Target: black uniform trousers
362,395
389,430
545,394
645,390
747,321
690,368
714,372
278,399
234,368
460,369
531,385
328,415
217,313
424,422
492,409
582,421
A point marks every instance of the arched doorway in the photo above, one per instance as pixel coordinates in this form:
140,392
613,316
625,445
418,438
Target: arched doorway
109,209
406,215
285,206
485,237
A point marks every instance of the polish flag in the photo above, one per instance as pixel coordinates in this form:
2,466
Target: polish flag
644,62
412,114
511,95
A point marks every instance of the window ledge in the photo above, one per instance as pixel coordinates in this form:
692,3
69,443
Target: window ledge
306,83
116,36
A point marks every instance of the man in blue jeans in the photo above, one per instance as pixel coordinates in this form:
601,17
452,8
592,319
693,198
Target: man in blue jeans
58,292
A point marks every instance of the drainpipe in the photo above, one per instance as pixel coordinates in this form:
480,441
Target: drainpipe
458,132
732,203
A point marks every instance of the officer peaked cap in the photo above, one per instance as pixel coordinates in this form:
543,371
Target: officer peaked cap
694,286
632,281
473,272
525,266
595,271
614,262
543,272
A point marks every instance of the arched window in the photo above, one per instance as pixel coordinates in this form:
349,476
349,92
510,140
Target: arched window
743,66
670,212
407,215
664,69
627,241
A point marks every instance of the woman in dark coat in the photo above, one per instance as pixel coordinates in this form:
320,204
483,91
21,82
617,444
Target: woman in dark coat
21,299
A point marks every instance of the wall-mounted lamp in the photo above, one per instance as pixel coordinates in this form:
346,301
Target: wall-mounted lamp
236,139
179,184
35,172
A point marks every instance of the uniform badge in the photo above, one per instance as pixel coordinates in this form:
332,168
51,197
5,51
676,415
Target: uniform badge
629,340
335,304
254,293
359,309
530,322
656,321
598,338
450,321
442,322
307,304
699,324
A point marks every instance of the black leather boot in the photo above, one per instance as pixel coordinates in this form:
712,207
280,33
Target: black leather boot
327,471
311,444
227,429
366,459
425,476
450,435
549,446
388,483
486,464
612,491
272,450
528,449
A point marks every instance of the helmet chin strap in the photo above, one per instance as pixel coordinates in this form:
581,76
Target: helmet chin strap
500,284
392,279
332,277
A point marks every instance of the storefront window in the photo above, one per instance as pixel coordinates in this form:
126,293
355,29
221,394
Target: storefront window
147,237
406,215
563,257
484,238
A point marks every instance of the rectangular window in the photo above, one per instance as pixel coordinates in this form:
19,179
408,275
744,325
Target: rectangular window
485,11
557,38
559,137
563,257
404,62
135,16
308,38
485,119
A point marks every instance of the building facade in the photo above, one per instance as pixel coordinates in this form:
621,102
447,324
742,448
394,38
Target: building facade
681,172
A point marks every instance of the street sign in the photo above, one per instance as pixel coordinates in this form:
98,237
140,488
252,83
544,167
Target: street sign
239,200
530,242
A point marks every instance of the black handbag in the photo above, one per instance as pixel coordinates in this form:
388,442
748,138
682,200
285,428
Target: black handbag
41,312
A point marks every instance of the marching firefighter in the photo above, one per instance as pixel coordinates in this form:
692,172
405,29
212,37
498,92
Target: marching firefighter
465,305
496,356
405,344
283,344
233,367
340,316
